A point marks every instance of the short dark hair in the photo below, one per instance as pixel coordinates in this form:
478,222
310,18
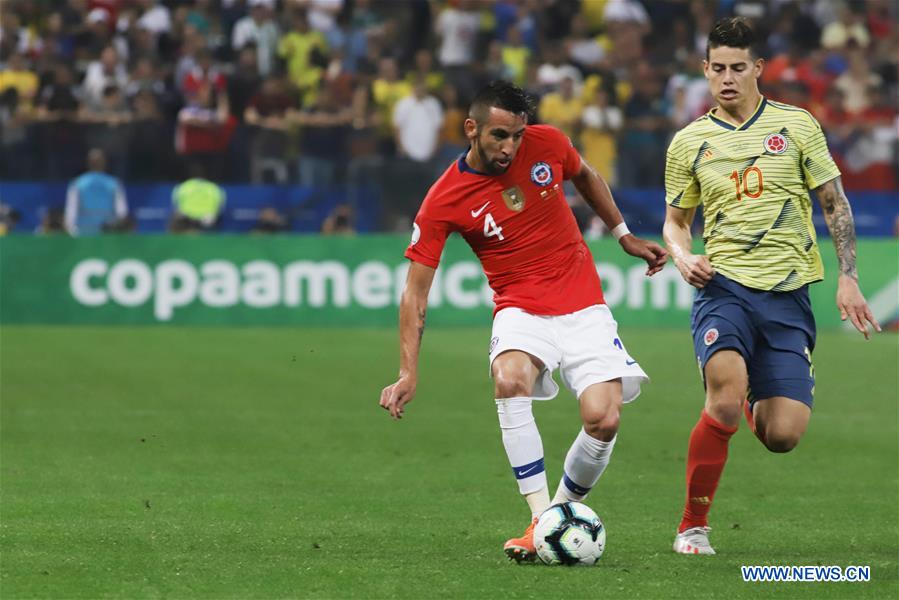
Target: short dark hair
733,32
500,94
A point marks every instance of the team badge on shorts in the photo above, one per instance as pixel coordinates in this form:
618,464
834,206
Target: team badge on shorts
776,143
493,344
541,174
710,336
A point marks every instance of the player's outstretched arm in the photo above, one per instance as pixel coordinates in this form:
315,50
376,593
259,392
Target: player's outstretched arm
595,191
694,268
413,307
838,215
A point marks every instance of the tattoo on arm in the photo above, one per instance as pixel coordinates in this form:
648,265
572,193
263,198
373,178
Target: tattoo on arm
421,324
838,215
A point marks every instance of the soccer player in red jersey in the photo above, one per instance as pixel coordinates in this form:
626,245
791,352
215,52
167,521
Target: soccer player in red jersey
505,197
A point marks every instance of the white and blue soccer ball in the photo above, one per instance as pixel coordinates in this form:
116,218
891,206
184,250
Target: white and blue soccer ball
569,534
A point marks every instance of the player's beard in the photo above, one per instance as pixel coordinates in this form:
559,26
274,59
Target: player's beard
490,167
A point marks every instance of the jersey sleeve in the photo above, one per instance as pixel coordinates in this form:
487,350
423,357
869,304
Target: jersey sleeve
818,166
681,185
571,158
560,144
429,232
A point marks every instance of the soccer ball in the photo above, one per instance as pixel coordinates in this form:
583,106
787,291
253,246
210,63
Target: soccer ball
569,534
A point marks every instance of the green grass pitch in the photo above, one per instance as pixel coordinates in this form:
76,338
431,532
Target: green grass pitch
256,463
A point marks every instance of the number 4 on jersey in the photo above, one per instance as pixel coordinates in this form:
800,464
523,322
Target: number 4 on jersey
491,228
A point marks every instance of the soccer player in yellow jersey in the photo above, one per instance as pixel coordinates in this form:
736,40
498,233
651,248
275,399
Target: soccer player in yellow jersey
750,162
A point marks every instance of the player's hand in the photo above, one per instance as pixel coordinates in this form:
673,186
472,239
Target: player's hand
654,255
852,305
695,269
396,396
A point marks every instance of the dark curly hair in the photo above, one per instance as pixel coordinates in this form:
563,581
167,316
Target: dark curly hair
733,32
500,94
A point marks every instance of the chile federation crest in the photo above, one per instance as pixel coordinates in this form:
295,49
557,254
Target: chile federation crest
541,174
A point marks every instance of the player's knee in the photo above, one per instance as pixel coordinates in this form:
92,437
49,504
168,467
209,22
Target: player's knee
781,440
511,385
602,426
724,407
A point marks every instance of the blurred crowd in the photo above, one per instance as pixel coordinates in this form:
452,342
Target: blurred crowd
360,92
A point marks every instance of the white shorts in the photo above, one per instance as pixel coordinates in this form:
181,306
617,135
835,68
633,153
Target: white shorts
584,346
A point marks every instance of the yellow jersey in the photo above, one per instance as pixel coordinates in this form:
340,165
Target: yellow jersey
753,182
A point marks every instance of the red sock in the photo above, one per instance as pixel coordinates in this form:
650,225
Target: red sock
706,456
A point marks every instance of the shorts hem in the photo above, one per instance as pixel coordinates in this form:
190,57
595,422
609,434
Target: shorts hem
629,381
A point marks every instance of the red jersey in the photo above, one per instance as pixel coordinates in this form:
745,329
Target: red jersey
519,226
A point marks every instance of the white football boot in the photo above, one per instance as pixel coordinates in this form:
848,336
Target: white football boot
693,541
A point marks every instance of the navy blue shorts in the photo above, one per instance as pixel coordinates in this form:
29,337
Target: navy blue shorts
774,331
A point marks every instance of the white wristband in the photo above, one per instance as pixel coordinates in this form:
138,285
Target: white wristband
620,230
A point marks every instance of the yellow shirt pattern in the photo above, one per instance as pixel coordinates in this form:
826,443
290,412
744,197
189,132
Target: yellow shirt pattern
752,182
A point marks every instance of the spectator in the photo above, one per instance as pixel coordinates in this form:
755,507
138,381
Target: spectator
324,131
106,127
94,200
417,120
258,28
197,204
17,149
144,77
270,220
203,74
848,30
424,68
806,68
365,167
600,123
516,56
60,134
642,147
102,74
555,68
584,50
16,75
387,90
880,22
267,114
202,16
339,222
854,83
457,29
154,17
322,13
150,140
9,218
53,221
244,82
204,130
452,135
869,162
562,108
303,50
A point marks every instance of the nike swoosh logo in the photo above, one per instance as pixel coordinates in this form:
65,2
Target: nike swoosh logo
477,213
526,471
630,362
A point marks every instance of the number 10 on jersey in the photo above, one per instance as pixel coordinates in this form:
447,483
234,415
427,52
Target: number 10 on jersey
758,184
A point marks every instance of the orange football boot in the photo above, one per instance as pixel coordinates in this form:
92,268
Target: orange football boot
521,549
